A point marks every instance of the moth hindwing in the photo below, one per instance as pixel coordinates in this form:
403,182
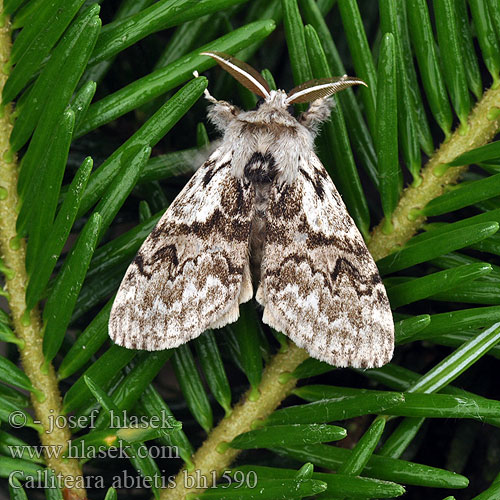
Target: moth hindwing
260,211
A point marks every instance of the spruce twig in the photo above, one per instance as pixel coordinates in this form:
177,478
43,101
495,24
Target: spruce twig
28,326
483,125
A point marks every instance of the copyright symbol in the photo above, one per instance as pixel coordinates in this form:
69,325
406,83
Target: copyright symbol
17,419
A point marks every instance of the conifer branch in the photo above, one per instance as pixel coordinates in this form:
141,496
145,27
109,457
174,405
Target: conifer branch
28,326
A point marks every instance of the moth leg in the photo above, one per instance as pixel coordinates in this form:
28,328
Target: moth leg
318,112
208,96
221,113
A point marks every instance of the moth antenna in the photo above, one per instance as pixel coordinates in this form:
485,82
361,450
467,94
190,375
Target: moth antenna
323,87
242,72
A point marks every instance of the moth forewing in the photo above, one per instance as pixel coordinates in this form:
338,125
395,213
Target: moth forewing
192,272
262,204
319,284
316,89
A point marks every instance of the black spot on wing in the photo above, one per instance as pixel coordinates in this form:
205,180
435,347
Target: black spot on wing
139,262
166,254
360,283
210,173
343,266
317,183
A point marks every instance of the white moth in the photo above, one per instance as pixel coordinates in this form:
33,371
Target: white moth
260,212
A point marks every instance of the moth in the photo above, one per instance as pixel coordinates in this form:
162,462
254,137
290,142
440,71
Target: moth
261,213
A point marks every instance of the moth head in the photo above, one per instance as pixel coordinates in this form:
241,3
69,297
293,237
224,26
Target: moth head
307,92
